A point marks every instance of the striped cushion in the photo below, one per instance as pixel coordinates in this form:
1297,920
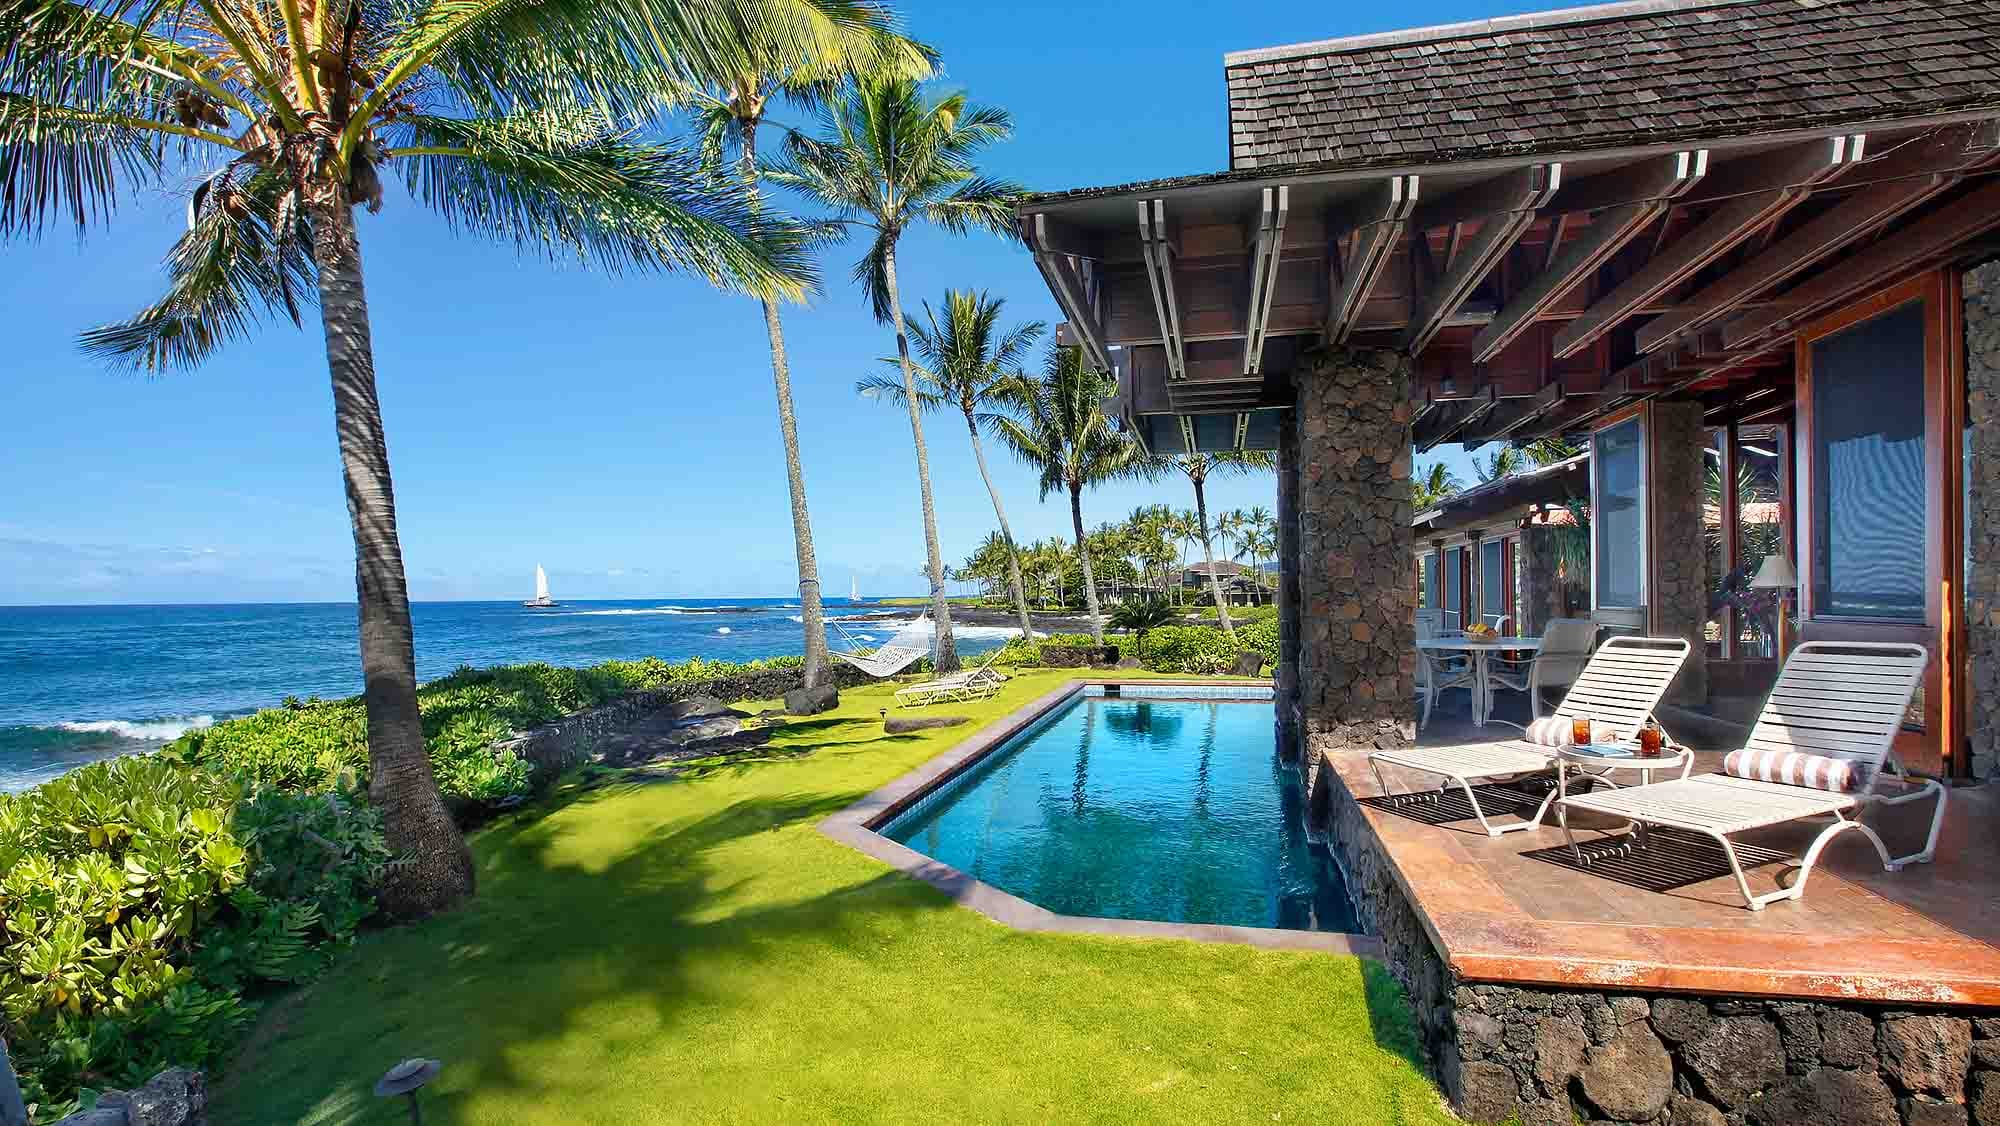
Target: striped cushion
1555,731
1819,772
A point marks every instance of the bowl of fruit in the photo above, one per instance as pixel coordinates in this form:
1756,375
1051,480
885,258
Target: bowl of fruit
1481,632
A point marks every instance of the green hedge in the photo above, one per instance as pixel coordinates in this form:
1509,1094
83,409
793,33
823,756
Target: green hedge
316,744
144,903
1206,649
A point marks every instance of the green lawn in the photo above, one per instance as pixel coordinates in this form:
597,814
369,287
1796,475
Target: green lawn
693,950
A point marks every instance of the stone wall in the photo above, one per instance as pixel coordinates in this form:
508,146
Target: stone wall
560,744
1554,1057
1982,581
1541,587
174,1097
1357,590
1287,686
1677,590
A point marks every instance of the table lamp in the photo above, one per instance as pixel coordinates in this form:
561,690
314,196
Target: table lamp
1777,574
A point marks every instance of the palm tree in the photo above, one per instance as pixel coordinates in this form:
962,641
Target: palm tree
503,118
1505,462
1436,484
730,115
1259,531
1064,434
1198,468
1141,616
964,365
891,159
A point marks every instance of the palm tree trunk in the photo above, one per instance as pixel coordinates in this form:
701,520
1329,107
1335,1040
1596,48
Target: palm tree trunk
1089,573
947,651
1208,556
811,614
436,870
1014,584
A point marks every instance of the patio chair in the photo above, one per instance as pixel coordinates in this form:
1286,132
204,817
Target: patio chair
966,684
1833,714
1618,689
1565,650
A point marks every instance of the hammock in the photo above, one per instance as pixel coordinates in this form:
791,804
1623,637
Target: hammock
909,646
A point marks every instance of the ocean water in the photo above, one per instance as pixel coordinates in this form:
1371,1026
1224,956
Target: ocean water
80,683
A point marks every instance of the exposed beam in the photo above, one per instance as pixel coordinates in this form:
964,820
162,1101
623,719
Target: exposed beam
1377,222
1649,179
1277,204
1519,195
1242,429
1159,253
1048,233
1073,292
1490,197
1533,410
1905,178
1609,231
1187,432
1727,225
1776,168
1929,239
1467,416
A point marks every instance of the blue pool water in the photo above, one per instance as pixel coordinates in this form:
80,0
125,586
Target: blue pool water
1134,808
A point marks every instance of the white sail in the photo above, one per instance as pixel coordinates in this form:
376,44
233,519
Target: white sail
541,584
854,588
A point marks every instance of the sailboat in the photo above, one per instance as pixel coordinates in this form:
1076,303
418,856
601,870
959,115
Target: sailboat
853,589
541,600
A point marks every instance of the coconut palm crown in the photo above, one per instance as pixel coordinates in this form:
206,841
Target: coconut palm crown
967,363
278,117
888,158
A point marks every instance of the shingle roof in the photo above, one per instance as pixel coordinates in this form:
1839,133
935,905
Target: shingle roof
1617,74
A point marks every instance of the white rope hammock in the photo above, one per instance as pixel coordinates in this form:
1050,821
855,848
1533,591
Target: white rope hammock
911,644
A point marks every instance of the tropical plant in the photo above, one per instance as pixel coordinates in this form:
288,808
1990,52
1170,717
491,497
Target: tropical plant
730,115
1434,486
506,118
1141,616
1198,468
969,364
1065,436
1503,462
1257,540
889,159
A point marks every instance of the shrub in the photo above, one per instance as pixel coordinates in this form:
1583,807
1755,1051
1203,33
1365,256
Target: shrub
140,899
1206,649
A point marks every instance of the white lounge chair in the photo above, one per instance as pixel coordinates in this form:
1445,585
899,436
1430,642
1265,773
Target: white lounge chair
1618,689
966,684
1843,700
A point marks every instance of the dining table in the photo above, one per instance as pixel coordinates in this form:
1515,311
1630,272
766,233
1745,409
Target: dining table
1481,651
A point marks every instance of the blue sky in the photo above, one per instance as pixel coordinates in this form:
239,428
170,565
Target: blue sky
619,430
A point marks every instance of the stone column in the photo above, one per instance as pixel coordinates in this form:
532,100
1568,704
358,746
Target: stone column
1982,517
1288,589
1541,591
1357,592
1677,591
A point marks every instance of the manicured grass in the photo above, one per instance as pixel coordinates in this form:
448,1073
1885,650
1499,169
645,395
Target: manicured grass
693,950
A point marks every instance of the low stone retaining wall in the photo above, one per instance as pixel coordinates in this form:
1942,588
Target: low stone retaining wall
555,747
1555,1057
174,1097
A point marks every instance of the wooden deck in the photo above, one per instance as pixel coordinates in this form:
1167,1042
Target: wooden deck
1516,909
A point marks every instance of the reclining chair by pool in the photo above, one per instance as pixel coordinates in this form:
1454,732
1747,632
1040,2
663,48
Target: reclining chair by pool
1618,689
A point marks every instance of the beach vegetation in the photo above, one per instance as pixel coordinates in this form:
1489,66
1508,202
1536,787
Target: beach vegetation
1140,616
889,158
145,907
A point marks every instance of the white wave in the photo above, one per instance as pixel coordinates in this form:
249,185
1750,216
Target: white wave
925,625
616,613
864,637
795,618
156,729
722,629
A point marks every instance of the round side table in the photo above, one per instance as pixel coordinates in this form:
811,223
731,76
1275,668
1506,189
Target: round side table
1599,761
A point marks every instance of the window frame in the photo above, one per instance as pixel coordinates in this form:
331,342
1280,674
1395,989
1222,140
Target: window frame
1634,415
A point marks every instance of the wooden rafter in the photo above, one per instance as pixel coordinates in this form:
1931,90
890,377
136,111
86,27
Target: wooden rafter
1264,274
1922,242
1466,414
1075,292
1656,182
1727,225
1159,252
1907,177
1526,412
1376,222
1516,197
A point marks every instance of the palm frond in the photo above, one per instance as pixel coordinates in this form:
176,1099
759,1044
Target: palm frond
55,161
872,274
568,185
240,262
883,387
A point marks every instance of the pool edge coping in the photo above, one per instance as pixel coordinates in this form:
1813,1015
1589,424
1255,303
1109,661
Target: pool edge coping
855,826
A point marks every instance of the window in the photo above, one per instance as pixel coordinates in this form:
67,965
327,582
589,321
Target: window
1618,510
1716,502
1427,578
1492,581
1760,531
1454,592
1867,455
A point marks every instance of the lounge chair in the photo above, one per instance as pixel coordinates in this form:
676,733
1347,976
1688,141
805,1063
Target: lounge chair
1841,700
966,684
1618,689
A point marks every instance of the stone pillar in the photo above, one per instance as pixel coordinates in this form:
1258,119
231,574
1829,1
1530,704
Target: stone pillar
1982,517
1677,591
1357,591
1288,589
1541,586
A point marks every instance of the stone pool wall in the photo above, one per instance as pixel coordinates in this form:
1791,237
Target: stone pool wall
1553,1057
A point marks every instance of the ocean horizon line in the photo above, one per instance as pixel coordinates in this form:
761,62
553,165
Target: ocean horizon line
724,598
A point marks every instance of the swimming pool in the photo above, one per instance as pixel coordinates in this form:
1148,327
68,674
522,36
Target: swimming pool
1138,807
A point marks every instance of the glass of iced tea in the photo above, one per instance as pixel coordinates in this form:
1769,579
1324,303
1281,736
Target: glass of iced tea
1579,732
1650,740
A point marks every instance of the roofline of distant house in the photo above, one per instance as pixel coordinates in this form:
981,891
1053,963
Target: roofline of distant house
1499,25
